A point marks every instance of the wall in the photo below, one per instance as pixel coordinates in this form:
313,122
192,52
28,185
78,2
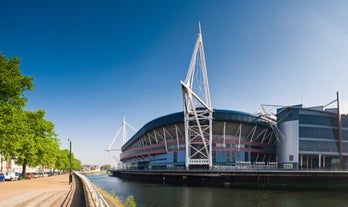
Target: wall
289,145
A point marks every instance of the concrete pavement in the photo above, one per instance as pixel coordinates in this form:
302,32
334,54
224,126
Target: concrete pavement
51,191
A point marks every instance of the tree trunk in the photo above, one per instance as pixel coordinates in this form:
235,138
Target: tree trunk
24,169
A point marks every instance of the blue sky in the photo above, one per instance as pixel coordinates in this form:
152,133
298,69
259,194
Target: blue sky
94,62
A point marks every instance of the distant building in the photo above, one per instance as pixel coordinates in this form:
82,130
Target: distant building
313,138
90,168
10,165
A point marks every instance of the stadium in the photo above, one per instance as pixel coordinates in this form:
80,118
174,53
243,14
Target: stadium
238,139
200,137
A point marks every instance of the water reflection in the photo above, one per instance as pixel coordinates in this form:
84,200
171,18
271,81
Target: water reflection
158,195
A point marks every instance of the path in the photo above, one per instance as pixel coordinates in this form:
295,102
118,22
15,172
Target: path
51,191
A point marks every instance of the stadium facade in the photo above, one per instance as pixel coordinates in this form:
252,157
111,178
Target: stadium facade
310,140
201,137
238,139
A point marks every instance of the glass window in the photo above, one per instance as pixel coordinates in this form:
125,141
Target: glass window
345,122
345,147
214,156
234,117
318,146
318,120
228,157
175,154
317,132
344,134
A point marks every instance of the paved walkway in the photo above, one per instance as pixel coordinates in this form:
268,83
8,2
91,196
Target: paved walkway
51,191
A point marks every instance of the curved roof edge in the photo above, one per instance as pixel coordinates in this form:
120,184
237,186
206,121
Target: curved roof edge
178,118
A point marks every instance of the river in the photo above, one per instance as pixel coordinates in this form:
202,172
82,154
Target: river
158,195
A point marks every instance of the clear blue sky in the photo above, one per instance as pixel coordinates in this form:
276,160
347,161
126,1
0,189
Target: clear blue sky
94,62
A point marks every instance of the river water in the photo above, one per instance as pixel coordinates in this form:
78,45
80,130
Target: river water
158,195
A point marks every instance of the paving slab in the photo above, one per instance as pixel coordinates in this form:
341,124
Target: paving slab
47,191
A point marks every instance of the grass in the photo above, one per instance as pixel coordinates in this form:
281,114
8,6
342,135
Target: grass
112,201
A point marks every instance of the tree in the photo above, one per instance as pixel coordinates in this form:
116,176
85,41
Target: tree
130,202
12,83
76,164
106,167
12,87
12,127
63,161
38,144
47,151
24,134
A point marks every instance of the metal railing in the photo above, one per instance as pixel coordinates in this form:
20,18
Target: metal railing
92,195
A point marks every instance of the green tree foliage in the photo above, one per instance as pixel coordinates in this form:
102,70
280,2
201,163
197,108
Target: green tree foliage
130,202
25,134
12,120
12,83
38,145
106,167
63,161
12,127
76,164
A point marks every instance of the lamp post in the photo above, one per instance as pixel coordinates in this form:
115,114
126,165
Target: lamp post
70,171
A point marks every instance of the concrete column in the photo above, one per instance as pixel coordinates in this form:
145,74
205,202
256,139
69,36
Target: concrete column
319,161
301,161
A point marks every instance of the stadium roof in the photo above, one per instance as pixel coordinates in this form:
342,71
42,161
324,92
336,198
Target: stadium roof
178,118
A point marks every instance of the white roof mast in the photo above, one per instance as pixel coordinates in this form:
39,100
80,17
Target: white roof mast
198,111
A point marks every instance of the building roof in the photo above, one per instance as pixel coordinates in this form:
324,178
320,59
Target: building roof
178,118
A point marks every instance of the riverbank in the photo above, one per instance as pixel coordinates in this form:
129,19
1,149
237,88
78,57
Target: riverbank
95,196
270,180
94,172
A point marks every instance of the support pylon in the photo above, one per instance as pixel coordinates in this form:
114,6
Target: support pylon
198,111
113,151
